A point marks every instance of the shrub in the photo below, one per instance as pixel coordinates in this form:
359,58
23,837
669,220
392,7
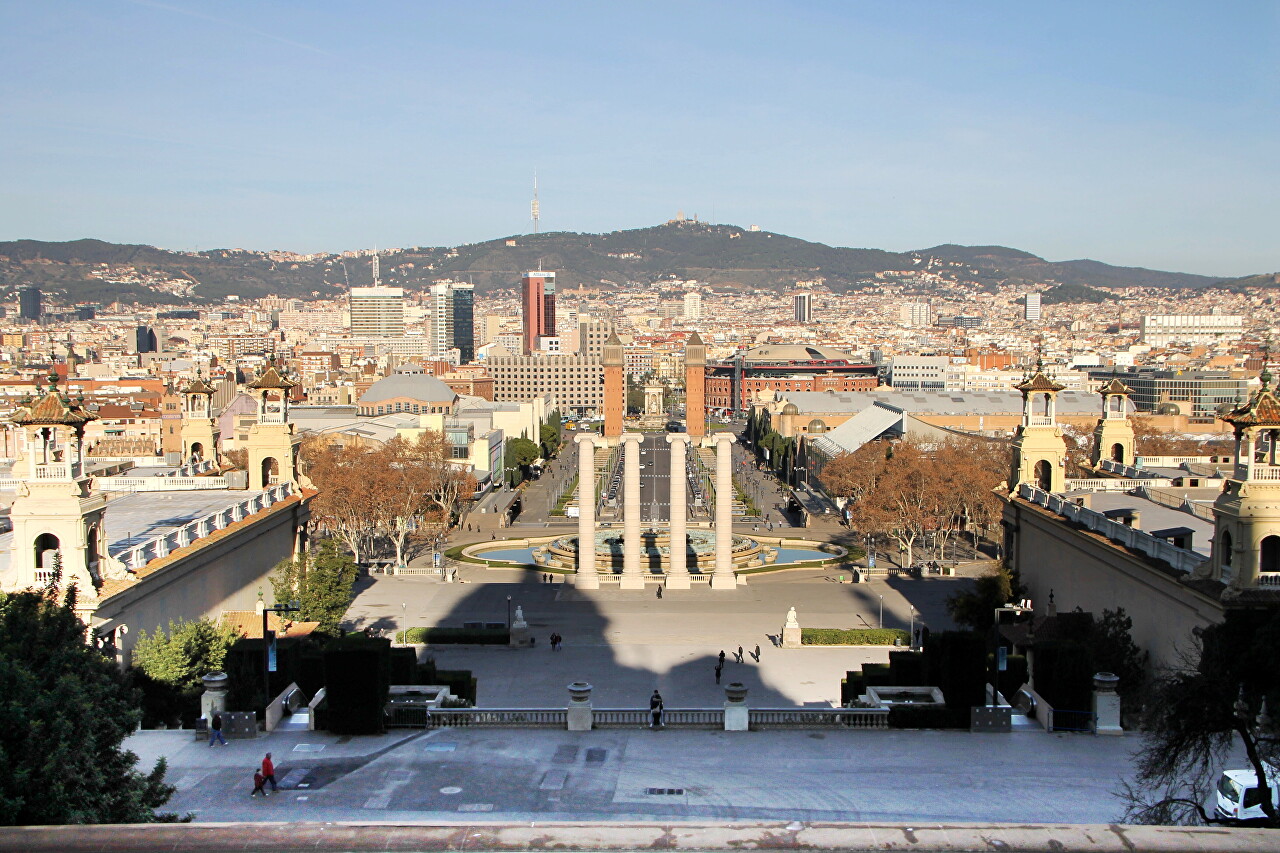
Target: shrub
852,686
957,664
877,674
357,675
472,636
852,636
1064,675
907,669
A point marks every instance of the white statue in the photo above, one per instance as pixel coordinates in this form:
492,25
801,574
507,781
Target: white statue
792,622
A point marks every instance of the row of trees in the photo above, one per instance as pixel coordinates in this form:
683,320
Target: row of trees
909,488
378,497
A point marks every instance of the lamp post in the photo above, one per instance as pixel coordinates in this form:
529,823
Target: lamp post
912,638
268,645
1023,606
404,622
508,613
882,611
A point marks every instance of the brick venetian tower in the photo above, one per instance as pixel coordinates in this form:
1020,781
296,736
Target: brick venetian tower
615,388
695,387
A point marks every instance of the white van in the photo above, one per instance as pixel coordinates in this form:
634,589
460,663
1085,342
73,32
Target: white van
1239,796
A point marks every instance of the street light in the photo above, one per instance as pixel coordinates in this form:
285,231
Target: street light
404,622
912,638
882,611
1023,606
508,613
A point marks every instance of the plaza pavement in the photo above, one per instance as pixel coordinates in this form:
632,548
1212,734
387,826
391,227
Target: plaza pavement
607,775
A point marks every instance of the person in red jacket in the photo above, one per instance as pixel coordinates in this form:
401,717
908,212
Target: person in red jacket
269,771
258,781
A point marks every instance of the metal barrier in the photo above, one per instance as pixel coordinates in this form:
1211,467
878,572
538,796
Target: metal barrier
419,716
497,718
1072,721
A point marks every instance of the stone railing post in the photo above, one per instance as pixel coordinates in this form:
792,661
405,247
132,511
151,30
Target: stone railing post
579,713
735,707
1106,704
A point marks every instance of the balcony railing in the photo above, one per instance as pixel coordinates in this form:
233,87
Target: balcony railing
613,718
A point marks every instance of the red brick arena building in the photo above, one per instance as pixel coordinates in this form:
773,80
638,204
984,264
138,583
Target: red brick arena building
733,384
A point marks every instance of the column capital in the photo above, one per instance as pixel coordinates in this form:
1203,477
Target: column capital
632,437
677,437
586,438
725,438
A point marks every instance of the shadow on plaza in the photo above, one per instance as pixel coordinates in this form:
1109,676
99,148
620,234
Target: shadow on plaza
590,650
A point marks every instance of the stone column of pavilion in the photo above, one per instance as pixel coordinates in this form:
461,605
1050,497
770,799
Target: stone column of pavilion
678,561
586,577
632,574
723,577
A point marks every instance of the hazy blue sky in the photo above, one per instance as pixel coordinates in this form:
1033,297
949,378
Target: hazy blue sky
1135,133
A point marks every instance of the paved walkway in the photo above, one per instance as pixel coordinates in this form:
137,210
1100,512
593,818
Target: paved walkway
638,774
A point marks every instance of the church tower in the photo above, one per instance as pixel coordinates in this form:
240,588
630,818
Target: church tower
272,446
1039,451
56,517
615,388
200,435
695,388
1113,436
1246,535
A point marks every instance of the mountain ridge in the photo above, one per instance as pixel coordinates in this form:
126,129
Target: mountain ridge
721,255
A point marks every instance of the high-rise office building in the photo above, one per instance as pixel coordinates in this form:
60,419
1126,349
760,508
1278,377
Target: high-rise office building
693,305
377,312
451,319
30,306
538,299
145,340
915,314
1031,308
802,303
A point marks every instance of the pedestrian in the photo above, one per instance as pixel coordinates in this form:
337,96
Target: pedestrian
493,536
655,709
258,781
719,669
740,658
757,653
659,591
215,731
269,770
722,658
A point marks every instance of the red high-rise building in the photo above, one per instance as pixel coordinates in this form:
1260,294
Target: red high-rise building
538,298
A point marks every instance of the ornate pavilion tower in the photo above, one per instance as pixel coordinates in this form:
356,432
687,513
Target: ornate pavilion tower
200,435
1039,451
272,446
56,515
1246,536
1113,436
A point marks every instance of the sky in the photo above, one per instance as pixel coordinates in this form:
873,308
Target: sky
1141,134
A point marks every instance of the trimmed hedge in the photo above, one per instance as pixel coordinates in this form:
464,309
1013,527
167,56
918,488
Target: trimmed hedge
472,636
853,636
927,717
357,675
907,669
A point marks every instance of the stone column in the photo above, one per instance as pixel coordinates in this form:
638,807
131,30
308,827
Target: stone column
632,574
723,577
586,577
1106,704
678,561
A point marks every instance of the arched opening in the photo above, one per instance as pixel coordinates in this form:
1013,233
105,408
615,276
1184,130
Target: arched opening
1117,452
197,451
270,471
1044,474
1269,554
46,546
1224,549
93,544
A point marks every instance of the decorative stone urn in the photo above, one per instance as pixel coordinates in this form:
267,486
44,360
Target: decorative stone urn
580,692
1106,704
1105,682
736,716
579,717
214,699
735,692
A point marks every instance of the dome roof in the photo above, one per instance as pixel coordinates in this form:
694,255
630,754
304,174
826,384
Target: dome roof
413,384
773,353
790,409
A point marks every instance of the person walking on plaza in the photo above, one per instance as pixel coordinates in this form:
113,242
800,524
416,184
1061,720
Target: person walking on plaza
741,659
722,658
258,781
215,731
719,670
269,771
757,653
655,709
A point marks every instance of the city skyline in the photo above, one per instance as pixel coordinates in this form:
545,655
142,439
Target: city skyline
1132,137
